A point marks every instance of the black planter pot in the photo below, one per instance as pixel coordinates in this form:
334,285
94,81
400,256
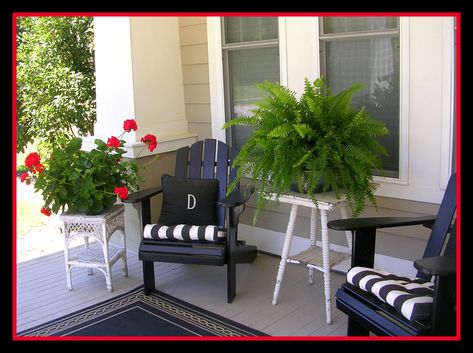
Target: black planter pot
320,186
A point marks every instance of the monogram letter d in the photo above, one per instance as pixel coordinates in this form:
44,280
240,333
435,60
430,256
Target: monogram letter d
191,201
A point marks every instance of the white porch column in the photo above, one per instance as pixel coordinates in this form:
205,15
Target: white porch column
139,76
114,77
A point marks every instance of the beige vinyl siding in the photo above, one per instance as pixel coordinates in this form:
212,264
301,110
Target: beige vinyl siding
194,33
198,113
194,54
203,130
196,94
190,21
195,72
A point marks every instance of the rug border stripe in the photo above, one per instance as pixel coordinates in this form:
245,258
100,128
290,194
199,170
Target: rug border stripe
180,309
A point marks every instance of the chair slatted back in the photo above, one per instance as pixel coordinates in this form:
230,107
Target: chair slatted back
450,249
208,159
443,223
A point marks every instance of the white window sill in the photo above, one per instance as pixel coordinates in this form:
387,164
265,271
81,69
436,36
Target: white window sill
165,144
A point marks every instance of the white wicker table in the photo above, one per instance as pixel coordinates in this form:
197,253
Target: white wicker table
101,255
315,257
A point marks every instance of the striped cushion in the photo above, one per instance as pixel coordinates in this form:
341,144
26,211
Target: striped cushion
412,297
183,232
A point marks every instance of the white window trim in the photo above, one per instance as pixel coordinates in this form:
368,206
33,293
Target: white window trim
404,104
388,187
404,95
448,111
283,69
217,95
216,84
316,34
137,149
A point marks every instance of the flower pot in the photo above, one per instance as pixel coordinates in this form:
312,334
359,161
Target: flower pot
319,188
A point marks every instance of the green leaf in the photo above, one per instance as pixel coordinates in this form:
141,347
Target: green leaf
74,144
319,135
280,131
304,130
55,78
100,143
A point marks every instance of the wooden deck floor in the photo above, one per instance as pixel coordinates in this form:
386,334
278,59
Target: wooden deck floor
42,293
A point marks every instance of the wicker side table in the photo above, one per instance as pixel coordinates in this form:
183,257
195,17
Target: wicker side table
101,255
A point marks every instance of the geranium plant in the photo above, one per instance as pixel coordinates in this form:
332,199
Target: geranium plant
85,182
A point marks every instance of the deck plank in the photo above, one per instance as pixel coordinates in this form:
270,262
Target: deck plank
42,294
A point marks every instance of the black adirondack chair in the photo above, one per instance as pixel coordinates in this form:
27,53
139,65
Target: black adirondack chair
209,159
368,313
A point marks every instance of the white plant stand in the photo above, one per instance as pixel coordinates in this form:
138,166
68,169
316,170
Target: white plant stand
315,257
101,255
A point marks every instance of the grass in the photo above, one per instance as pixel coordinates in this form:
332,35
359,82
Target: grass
28,216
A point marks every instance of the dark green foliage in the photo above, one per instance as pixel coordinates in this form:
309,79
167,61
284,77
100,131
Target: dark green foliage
21,169
321,136
55,78
80,181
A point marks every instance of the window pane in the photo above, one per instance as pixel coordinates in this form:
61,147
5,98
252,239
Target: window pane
357,24
269,28
250,29
375,63
232,29
246,68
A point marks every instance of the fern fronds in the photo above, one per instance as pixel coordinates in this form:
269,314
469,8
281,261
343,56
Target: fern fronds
318,137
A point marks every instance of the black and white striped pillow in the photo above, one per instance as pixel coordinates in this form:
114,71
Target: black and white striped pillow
412,297
183,232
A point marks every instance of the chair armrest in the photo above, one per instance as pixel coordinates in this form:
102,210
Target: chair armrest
436,266
378,222
143,195
364,233
237,198
429,225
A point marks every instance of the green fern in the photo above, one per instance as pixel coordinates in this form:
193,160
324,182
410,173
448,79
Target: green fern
318,137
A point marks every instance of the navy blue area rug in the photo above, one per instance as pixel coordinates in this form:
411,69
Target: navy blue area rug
135,314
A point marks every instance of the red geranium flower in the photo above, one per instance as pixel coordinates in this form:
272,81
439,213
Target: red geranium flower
32,160
38,168
151,141
107,163
46,211
129,125
113,142
122,192
24,176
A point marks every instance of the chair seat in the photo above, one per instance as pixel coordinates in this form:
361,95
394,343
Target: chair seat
178,251
381,318
411,297
416,306
184,232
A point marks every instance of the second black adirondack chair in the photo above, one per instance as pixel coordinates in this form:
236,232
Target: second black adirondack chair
398,315
209,159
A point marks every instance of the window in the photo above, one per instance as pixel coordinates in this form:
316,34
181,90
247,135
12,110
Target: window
250,51
366,50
